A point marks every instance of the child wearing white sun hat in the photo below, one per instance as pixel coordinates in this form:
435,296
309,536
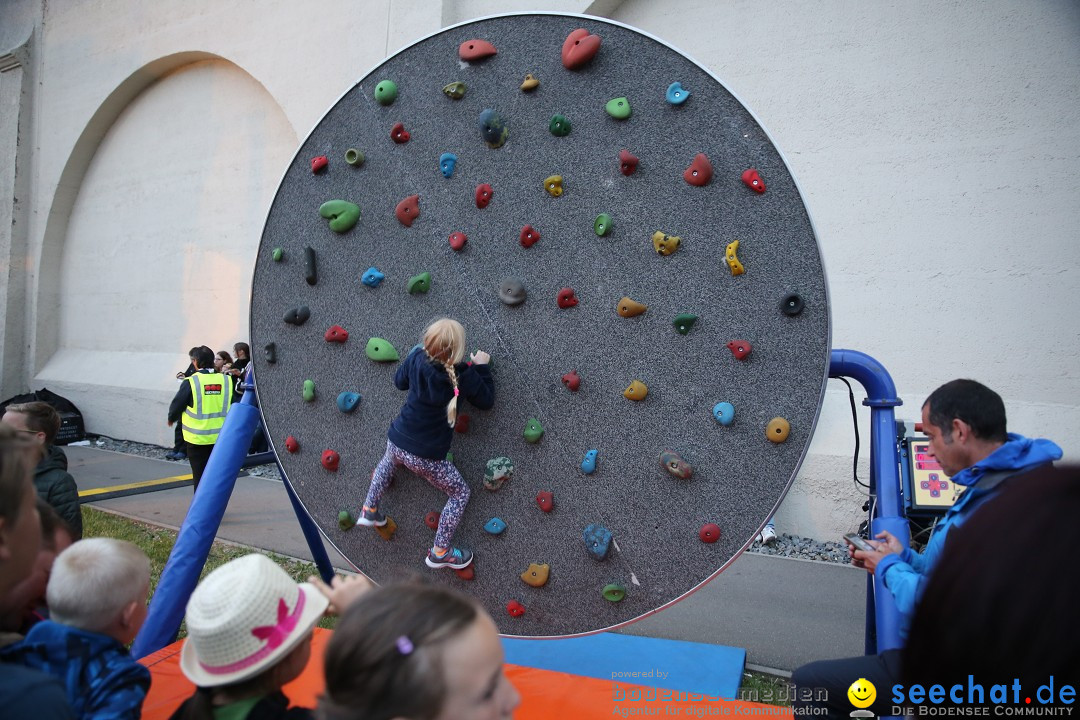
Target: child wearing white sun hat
249,633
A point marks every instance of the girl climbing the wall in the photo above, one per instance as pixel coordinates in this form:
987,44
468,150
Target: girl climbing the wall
419,438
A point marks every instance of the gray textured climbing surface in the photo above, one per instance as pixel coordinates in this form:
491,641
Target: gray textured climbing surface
631,169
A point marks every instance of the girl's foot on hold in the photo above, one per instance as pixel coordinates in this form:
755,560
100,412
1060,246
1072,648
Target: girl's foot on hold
370,517
454,558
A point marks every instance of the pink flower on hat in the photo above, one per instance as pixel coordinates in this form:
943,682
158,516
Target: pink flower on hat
286,623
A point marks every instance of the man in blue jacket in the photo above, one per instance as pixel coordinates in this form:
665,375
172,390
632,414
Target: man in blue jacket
965,423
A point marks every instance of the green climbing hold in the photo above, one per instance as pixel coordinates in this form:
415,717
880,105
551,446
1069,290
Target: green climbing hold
450,458
386,92
278,254
354,157
559,125
345,520
602,226
455,90
614,592
420,283
309,390
683,322
619,108
533,430
380,350
342,214
498,471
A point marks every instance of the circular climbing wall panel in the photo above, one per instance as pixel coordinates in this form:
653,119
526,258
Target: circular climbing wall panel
766,296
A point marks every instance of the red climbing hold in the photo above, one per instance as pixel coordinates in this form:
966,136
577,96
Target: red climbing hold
408,210
475,50
458,240
399,134
572,381
432,519
529,236
753,180
461,425
579,48
515,608
330,460
566,298
318,164
337,334
700,171
710,533
483,195
466,573
627,162
740,348
291,444
546,500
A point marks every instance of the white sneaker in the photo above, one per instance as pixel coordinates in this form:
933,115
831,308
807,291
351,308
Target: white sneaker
768,536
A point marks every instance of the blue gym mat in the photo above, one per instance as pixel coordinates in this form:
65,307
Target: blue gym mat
711,670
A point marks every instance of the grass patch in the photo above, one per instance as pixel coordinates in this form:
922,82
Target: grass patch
157,543
765,689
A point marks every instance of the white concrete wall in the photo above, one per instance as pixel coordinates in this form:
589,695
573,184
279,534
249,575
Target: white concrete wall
937,145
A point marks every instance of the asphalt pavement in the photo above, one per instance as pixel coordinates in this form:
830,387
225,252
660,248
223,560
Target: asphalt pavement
784,612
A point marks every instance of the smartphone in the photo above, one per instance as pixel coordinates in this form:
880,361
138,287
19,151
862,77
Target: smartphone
858,542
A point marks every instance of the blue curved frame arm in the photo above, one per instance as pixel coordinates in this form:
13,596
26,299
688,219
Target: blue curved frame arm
884,633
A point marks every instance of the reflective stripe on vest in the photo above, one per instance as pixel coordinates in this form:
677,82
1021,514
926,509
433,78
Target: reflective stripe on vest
211,397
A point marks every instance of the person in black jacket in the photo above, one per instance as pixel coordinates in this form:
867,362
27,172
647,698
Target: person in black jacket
40,422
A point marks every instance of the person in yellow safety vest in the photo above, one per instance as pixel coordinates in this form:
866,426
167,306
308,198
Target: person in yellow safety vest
201,404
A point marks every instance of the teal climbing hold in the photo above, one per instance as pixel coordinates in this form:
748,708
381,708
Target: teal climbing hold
597,540
380,350
347,401
588,465
533,430
676,94
619,108
309,390
494,526
683,322
559,125
342,214
420,283
386,92
724,412
372,277
602,224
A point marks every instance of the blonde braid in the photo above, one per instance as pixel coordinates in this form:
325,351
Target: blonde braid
451,408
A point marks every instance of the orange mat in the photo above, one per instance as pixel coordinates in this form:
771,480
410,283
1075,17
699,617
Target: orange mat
544,694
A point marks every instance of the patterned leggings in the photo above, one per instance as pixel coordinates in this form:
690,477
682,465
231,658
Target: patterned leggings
440,473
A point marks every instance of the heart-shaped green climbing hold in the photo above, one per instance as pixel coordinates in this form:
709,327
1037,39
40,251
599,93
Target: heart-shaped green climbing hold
342,214
419,283
380,350
533,430
683,322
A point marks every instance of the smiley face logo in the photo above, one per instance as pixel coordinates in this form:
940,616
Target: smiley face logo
862,693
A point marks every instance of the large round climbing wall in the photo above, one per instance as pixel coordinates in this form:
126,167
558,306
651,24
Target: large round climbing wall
617,230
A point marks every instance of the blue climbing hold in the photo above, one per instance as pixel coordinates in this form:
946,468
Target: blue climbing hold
676,95
447,161
347,401
494,526
588,465
372,277
597,540
724,412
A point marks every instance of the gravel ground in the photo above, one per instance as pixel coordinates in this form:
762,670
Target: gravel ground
786,545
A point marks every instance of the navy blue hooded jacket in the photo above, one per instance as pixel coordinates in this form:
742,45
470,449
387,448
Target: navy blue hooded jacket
421,427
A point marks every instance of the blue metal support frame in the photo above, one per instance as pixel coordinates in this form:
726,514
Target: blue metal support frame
884,633
200,526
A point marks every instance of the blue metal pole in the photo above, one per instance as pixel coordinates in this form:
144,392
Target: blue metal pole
884,475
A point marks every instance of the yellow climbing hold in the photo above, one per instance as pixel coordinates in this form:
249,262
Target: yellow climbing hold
733,258
665,244
777,430
636,391
536,575
629,308
553,184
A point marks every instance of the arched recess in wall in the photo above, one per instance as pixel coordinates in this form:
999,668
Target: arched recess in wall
159,211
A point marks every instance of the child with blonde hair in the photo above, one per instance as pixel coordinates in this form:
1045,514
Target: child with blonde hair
435,377
97,602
